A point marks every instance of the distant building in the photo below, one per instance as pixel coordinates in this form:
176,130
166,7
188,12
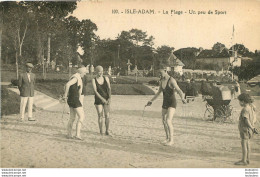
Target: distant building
188,56
222,59
175,64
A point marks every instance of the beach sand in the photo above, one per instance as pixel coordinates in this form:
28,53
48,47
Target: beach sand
135,142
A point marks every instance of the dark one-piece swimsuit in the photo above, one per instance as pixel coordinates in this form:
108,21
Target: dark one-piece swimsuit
73,96
169,99
102,90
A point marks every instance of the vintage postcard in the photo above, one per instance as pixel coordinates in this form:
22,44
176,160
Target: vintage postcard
130,84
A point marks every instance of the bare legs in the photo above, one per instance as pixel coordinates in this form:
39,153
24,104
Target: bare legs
80,113
167,116
245,150
101,109
245,144
164,121
71,121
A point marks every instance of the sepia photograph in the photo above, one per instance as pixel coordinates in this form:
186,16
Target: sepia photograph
154,84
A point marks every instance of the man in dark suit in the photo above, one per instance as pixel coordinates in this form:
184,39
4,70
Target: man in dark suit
26,83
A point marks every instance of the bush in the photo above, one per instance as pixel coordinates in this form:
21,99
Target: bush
154,82
51,80
14,82
131,89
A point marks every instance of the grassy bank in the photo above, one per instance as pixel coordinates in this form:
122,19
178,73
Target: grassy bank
121,85
10,102
54,89
53,85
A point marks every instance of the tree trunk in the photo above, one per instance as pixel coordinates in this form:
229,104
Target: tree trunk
1,42
39,45
16,63
49,51
1,27
39,49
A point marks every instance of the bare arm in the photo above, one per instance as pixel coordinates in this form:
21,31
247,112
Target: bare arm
249,124
67,86
155,96
174,84
96,92
245,114
109,89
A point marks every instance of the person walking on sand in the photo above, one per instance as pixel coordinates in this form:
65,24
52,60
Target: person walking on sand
26,84
237,89
102,89
73,95
168,85
246,128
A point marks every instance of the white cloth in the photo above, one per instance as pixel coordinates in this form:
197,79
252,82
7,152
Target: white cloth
79,81
23,104
29,77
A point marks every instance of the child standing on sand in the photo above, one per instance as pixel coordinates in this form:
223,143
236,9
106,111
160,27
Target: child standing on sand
246,128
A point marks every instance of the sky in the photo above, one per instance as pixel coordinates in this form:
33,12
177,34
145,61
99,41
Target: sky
179,31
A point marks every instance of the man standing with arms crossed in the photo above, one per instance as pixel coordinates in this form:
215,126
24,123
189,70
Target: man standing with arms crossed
26,83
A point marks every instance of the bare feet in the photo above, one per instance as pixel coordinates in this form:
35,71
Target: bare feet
31,119
108,134
170,143
165,141
241,163
78,138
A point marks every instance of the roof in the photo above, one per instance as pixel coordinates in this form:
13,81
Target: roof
186,50
246,58
214,54
179,63
255,79
174,61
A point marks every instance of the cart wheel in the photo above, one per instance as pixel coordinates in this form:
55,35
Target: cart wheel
220,115
229,110
209,114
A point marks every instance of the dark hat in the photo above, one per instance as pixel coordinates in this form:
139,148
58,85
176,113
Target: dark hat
30,65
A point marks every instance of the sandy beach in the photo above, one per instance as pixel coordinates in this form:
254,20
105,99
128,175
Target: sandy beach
135,142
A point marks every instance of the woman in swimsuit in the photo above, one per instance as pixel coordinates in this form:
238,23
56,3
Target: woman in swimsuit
73,92
102,89
168,85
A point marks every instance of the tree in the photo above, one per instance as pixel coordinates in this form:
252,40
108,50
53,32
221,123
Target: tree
163,54
248,69
48,18
88,40
187,56
135,45
241,49
29,26
15,20
218,47
137,36
73,33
